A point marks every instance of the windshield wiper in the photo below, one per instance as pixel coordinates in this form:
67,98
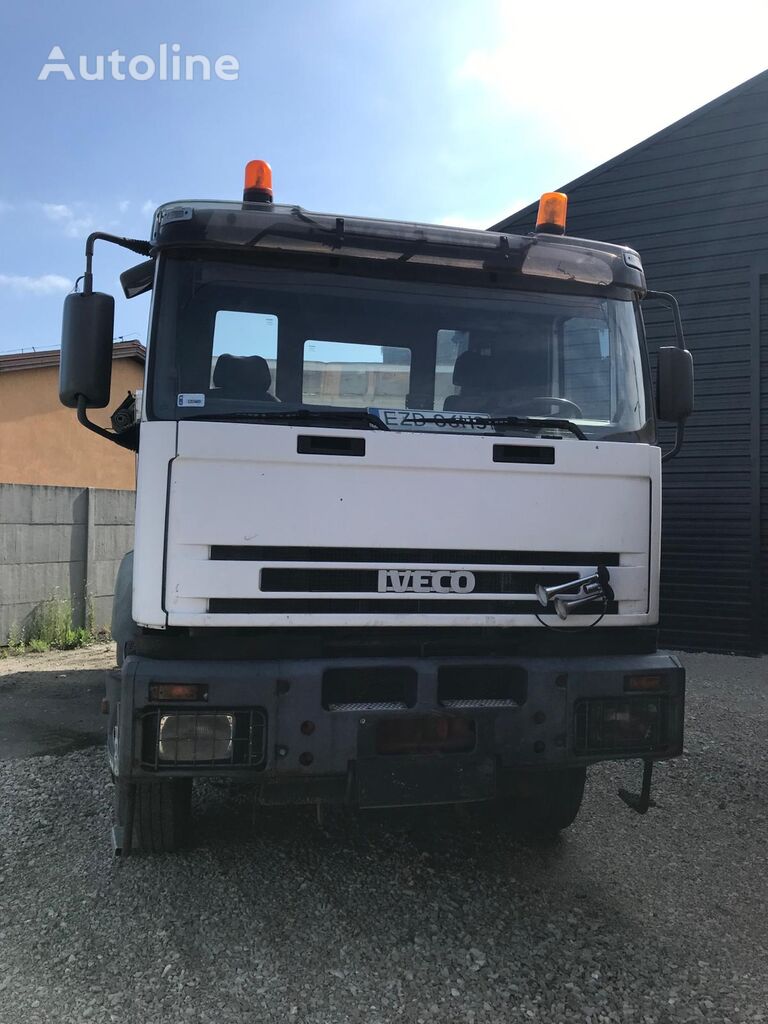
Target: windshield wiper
295,414
532,422
540,423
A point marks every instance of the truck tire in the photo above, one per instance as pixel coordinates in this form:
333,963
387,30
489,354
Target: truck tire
161,815
542,803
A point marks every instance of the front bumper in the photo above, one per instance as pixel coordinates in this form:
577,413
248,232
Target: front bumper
311,730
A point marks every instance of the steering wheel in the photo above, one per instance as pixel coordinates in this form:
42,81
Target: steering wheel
569,408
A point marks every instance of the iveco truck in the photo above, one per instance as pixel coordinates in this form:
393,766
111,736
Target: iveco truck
398,513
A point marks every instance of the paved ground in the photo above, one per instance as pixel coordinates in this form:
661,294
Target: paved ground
415,917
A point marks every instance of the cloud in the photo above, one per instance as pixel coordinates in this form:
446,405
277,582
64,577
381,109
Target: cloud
598,80
45,284
123,205
74,222
148,207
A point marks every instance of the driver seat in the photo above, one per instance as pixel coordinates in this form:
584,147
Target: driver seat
243,377
471,374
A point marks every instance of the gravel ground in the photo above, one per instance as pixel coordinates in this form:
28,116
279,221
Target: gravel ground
417,917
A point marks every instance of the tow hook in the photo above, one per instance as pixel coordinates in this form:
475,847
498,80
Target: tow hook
641,801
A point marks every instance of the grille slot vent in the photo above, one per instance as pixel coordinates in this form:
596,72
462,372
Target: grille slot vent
408,556
474,685
381,688
391,606
366,581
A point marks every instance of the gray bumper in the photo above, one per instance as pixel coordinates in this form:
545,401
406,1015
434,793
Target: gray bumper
315,749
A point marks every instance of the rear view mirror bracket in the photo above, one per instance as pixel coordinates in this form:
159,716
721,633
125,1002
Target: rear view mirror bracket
129,439
136,245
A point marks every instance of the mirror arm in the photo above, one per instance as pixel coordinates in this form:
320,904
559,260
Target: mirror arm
136,245
82,417
679,434
674,305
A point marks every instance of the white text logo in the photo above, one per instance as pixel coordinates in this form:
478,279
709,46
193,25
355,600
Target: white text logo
168,65
433,581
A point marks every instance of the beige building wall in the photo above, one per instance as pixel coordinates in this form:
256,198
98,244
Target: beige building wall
41,442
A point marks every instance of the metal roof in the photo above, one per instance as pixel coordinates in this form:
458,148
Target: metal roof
36,360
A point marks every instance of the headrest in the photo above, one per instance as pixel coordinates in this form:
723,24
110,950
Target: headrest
245,376
470,370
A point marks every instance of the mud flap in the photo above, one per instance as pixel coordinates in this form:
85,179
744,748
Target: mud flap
122,828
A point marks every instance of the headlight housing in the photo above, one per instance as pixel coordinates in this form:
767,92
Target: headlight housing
192,738
636,724
204,739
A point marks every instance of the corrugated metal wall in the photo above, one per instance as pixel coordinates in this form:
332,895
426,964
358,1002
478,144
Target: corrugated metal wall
694,202
763,341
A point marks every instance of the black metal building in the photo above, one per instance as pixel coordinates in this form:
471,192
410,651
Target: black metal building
693,200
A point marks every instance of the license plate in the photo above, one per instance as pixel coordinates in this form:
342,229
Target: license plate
427,419
400,782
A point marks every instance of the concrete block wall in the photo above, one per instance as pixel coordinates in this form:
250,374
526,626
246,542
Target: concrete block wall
63,541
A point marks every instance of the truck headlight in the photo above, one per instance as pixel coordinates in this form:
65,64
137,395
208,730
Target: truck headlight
195,737
622,725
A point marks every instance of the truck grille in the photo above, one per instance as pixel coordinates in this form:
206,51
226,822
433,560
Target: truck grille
505,587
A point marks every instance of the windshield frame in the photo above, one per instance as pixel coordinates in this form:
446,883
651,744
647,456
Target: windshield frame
358,269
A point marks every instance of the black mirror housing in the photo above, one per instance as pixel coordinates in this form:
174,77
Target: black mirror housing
138,279
674,384
86,349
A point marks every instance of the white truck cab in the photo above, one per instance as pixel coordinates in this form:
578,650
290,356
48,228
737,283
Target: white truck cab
398,513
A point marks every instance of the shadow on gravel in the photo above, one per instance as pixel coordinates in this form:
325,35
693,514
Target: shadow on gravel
227,816
432,849
50,712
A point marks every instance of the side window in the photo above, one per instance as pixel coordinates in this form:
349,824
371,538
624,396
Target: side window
243,334
586,367
360,376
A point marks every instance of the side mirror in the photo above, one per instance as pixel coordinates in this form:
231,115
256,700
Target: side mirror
674,384
86,349
138,279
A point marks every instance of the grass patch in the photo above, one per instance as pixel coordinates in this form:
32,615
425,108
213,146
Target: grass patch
50,627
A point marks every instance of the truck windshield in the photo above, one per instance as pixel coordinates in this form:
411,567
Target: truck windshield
231,340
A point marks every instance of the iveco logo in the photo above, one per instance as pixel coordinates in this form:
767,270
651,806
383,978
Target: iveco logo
433,581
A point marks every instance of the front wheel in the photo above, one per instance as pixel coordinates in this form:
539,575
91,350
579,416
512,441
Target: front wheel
161,815
543,803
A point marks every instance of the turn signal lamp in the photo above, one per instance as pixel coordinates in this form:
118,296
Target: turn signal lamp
643,683
178,691
258,182
551,216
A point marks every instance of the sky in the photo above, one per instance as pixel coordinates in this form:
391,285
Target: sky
457,112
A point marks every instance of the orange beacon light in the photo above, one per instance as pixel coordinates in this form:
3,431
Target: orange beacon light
551,216
258,182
